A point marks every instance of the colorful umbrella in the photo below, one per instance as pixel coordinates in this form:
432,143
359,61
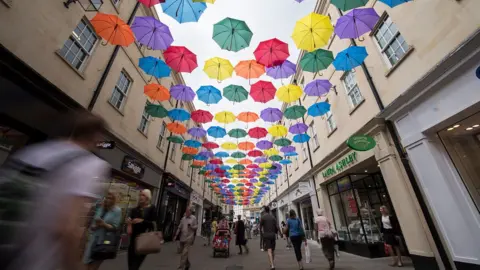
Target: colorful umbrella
301,138
319,109
184,10
179,115
272,151
275,158
356,23
206,154
246,162
190,150
317,88
247,117
151,3
264,144
218,68
216,132
176,128
295,112
246,146
282,71
154,66
394,3
287,149
232,35
255,153
298,128
187,157
235,93
289,93
257,132
229,146
291,154
209,94
180,59
156,110
237,133
201,116
216,161
197,132
225,117
152,33
277,131
238,155
282,142
210,145
262,91
192,143
249,69
271,114
182,93
312,32
349,4
222,155
271,52
317,60
112,29
350,58
285,161
156,92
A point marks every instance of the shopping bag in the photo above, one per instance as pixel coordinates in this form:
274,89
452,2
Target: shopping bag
308,258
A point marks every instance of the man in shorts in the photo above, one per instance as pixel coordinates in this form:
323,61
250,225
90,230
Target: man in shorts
269,229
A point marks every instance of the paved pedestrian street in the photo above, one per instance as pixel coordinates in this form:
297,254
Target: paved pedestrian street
201,259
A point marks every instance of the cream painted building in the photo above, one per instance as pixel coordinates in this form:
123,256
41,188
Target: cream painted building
411,46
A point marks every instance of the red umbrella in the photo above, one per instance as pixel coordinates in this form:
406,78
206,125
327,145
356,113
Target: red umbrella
272,52
180,58
257,132
151,3
252,166
255,153
262,91
216,161
201,116
218,170
210,145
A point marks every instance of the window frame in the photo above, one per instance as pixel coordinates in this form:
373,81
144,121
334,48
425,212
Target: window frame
173,152
314,135
145,117
388,44
161,136
124,94
304,153
349,89
330,120
182,165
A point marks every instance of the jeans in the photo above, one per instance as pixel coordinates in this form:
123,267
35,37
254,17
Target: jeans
297,246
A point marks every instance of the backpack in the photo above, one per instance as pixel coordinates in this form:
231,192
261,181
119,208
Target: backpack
19,183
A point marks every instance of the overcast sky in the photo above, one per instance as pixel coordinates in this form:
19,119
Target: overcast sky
266,18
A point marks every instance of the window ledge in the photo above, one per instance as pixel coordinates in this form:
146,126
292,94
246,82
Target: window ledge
115,108
141,132
79,73
394,67
305,160
160,148
333,131
356,107
116,6
315,150
172,160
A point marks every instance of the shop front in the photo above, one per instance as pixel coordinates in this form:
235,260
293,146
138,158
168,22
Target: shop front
207,209
196,202
301,197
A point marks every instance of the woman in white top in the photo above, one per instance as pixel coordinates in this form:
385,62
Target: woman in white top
390,229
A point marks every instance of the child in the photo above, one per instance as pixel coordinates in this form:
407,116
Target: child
335,236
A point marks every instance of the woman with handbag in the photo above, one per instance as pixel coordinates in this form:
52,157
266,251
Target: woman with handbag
142,219
326,236
390,228
296,233
103,234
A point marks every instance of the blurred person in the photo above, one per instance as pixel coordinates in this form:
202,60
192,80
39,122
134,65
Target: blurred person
105,223
297,236
207,229
390,228
214,225
141,219
262,244
324,227
62,177
223,224
248,228
269,230
186,233
240,235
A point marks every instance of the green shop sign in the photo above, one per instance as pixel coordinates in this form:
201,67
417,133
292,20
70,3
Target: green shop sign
361,142
340,165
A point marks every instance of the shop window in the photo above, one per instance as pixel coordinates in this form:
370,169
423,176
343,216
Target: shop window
173,152
392,44
340,221
79,45
161,136
353,91
144,122
120,90
314,136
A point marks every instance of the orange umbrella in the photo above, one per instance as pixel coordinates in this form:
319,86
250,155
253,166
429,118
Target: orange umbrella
190,150
245,162
198,163
247,117
249,69
112,29
246,146
176,128
156,92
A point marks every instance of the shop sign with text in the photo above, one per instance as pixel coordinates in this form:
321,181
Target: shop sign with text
341,165
133,167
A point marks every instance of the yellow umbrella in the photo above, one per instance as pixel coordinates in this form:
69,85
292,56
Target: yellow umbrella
271,152
312,32
205,1
218,68
231,161
229,146
265,165
277,131
225,117
289,93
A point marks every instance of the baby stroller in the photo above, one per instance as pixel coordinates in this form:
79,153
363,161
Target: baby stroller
221,243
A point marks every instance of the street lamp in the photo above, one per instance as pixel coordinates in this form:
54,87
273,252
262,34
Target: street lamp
87,5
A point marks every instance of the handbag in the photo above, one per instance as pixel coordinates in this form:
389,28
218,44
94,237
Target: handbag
107,249
149,242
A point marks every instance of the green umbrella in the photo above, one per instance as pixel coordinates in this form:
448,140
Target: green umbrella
263,179
349,4
238,155
282,142
232,35
237,133
275,158
187,157
175,139
294,112
195,166
317,60
235,93
239,167
202,172
240,185
156,110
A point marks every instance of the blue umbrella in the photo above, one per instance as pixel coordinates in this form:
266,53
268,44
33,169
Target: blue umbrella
291,154
209,94
200,157
184,10
179,114
222,154
394,3
285,161
301,138
225,167
192,143
216,132
319,108
154,66
350,58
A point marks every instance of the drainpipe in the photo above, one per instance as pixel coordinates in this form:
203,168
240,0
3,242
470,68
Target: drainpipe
105,73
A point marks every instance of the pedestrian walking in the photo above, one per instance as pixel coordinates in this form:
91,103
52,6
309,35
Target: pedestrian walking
214,225
297,236
248,227
141,219
186,233
240,235
104,227
262,243
390,228
326,237
269,229
207,230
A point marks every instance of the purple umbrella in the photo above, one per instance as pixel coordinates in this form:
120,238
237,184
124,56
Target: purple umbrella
299,1
317,88
260,160
287,149
283,71
152,33
264,144
356,23
182,92
271,114
253,180
206,154
258,169
197,132
298,128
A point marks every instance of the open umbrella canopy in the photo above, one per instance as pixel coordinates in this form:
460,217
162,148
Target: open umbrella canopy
246,161
286,149
247,117
235,93
154,66
317,88
151,3
210,145
209,94
289,93
176,128
282,142
180,59
271,52
182,93
350,58
301,138
282,71
205,1
179,114
216,132
257,132
249,69
277,131
187,157
264,144
225,117
189,150
295,112
246,146
312,32
152,33
156,110
262,91
232,35
156,92
222,155
255,153
319,109
271,151
184,11
218,68
192,143
271,114
285,162
197,132
275,158
113,29
298,128
229,146
238,155
317,60
237,133
345,5
394,3
356,23
202,116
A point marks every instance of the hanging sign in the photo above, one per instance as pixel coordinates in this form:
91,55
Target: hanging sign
106,144
133,167
361,142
